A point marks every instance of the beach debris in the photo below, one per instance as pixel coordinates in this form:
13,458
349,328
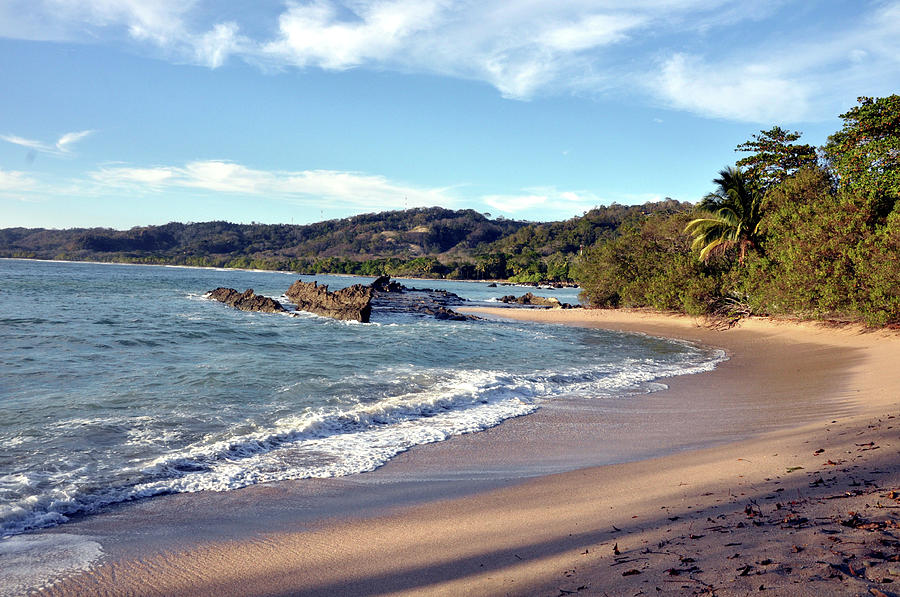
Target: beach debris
616,550
245,301
631,572
857,522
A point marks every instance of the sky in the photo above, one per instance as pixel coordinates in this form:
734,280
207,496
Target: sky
122,113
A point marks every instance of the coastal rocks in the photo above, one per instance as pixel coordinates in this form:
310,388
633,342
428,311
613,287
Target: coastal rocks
353,303
532,300
245,301
392,297
384,284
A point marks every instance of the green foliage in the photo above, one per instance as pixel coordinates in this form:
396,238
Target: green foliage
822,260
775,157
865,156
649,265
729,217
827,240
807,269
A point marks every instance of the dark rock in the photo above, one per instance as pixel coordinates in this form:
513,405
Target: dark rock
392,297
384,284
245,301
349,304
530,299
445,313
492,285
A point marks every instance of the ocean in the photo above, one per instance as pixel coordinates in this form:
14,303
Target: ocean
120,382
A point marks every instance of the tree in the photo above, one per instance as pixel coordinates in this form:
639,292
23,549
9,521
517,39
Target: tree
865,156
775,157
730,217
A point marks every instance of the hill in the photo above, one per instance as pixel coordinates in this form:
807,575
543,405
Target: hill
430,242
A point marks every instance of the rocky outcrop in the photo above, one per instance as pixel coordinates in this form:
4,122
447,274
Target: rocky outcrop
354,303
384,284
535,301
349,304
393,297
245,301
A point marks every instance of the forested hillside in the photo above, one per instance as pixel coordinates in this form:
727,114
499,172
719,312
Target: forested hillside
789,229
429,242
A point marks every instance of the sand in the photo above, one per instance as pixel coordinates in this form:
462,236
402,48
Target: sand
778,473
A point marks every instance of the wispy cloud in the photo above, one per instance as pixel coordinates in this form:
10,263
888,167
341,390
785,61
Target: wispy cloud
29,143
544,199
64,143
752,92
549,202
317,33
305,186
14,180
691,55
62,146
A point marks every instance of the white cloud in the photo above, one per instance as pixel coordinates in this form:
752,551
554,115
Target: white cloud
316,33
721,59
754,92
29,143
63,143
13,180
214,47
547,199
590,32
347,188
61,147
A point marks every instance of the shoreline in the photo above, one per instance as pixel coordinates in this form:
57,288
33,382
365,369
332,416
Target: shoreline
287,272
539,535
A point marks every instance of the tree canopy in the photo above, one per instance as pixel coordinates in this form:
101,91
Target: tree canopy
775,157
865,155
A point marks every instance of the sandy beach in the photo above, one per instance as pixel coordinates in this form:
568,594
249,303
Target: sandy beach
778,473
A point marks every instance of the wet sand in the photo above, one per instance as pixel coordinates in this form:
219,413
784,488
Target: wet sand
688,478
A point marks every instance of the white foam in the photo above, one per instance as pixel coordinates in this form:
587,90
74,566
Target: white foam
31,562
432,404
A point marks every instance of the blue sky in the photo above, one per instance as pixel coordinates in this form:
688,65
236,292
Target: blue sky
122,113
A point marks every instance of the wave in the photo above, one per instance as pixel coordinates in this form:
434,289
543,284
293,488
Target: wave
333,440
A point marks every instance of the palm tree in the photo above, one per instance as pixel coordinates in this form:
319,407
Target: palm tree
731,217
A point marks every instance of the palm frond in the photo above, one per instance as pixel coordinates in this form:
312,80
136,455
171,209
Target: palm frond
729,216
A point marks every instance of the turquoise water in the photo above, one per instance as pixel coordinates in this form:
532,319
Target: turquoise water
120,382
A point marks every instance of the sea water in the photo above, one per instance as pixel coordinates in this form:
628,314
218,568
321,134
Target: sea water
121,382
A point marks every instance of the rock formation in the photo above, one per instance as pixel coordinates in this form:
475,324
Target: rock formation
393,297
384,284
354,303
536,301
245,301
349,304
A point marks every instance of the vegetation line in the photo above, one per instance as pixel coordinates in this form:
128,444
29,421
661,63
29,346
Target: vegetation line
790,230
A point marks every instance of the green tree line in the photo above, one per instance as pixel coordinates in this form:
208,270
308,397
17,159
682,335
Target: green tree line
788,230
